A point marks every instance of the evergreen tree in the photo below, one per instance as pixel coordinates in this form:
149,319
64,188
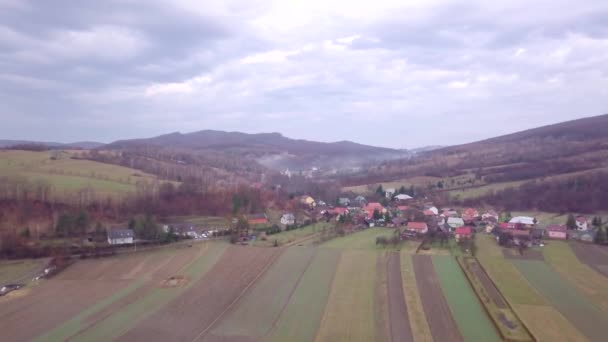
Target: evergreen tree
600,236
380,190
377,214
402,190
571,222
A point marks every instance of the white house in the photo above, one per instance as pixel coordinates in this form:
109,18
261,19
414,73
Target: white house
525,220
581,223
455,222
433,209
389,192
288,219
403,197
120,236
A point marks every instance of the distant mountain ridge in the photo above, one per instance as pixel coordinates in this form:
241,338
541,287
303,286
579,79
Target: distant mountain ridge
270,149
4,143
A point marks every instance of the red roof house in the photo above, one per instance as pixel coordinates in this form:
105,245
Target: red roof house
463,233
402,207
418,227
338,211
428,213
257,219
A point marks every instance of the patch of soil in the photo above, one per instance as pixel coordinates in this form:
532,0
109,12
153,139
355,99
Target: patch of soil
528,254
487,283
398,316
436,309
197,309
593,256
174,281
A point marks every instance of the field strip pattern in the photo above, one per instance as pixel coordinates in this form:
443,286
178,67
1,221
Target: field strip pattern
593,256
349,314
466,309
398,313
421,332
301,318
261,307
585,316
437,311
122,316
547,324
202,301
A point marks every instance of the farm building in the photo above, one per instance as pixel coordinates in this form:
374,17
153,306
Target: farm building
525,221
463,233
288,219
360,200
403,197
120,236
389,192
557,231
490,214
344,201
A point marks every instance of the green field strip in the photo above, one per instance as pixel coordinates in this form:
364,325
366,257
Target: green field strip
122,320
559,254
301,318
350,309
575,307
509,281
471,318
364,239
257,312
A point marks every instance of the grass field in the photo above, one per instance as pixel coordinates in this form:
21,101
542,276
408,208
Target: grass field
293,235
364,239
261,307
592,284
123,319
349,314
302,316
420,327
507,278
474,324
371,188
580,311
17,271
67,175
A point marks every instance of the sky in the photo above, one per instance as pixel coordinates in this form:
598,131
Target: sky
391,73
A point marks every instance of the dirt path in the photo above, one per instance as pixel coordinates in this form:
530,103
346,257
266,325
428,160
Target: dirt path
198,307
436,309
399,320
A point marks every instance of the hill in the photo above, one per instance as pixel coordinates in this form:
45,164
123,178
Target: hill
555,154
272,150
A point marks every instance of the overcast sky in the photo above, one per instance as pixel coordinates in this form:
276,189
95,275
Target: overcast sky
388,73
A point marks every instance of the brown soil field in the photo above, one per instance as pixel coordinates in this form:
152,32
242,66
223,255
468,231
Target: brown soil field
50,304
528,254
593,256
438,314
194,312
399,319
487,283
80,286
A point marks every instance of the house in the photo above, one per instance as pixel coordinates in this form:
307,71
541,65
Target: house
469,215
288,219
488,214
490,223
338,211
581,223
308,201
255,219
455,222
402,197
120,236
433,209
449,213
417,227
360,200
399,221
374,206
525,221
389,192
428,212
557,231
463,233
322,204
344,201
402,208
185,230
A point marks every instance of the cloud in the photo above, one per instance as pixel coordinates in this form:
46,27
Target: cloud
389,72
